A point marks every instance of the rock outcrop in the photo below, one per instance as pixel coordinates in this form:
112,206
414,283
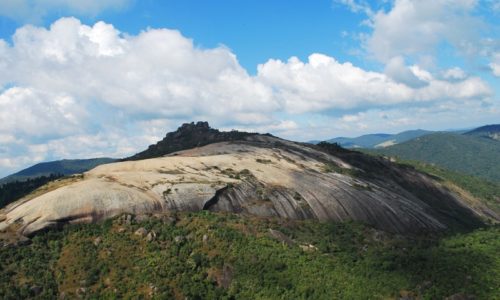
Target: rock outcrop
188,136
256,175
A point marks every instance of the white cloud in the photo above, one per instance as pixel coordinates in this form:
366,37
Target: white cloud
455,73
351,118
158,67
399,72
324,83
76,91
357,6
26,112
416,27
35,10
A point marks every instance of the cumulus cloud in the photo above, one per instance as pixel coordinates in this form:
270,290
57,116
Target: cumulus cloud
398,71
455,73
73,90
35,10
158,72
413,27
416,29
323,83
30,113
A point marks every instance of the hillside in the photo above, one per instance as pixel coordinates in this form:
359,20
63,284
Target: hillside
488,191
59,167
256,175
488,131
208,255
469,154
378,140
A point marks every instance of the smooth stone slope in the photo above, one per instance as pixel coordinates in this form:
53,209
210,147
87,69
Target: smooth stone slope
259,175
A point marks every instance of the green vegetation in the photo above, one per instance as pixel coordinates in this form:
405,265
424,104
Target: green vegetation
468,154
264,161
333,167
231,173
15,190
224,256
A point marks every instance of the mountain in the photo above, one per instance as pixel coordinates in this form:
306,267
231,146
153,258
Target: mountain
488,131
59,167
467,153
251,216
251,174
378,140
364,141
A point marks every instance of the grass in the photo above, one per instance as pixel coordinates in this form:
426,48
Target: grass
334,168
238,259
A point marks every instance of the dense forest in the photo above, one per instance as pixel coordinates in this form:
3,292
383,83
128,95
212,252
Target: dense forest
208,255
469,154
11,191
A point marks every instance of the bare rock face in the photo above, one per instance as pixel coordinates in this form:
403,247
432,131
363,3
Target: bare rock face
256,175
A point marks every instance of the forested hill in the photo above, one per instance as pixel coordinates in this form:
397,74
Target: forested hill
469,154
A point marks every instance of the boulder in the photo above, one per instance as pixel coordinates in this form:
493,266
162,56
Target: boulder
179,239
141,232
151,236
97,241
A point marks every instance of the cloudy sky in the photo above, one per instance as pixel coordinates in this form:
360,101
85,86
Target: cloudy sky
89,78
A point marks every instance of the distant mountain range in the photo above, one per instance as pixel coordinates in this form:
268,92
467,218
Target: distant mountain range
59,167
476,152
378,140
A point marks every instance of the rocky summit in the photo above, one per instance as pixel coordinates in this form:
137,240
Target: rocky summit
199,168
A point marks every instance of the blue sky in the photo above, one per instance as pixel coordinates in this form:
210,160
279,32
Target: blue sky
254,30
93,78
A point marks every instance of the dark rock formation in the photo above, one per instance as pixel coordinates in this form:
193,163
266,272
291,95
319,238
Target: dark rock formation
188,136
